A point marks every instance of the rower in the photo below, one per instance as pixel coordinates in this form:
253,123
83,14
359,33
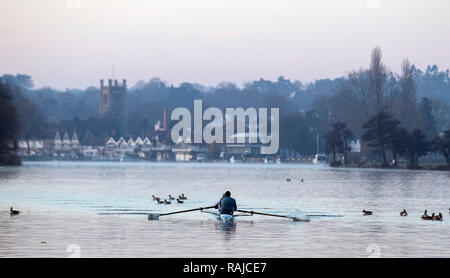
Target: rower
226,204
218,203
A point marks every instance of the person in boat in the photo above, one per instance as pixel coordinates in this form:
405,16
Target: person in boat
226,204
218,203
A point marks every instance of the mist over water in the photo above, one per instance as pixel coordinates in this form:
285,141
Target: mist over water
102,208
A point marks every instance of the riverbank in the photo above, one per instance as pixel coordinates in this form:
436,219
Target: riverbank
251,160
400,166
10,160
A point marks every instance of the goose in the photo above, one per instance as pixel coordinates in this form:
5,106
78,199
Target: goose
403,213
438,217
367,212
166,202
182,197
171,198
288,179
179,201
302,180
155,198
159,201
13,212
425,216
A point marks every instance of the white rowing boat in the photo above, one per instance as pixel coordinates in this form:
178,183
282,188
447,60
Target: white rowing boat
226,218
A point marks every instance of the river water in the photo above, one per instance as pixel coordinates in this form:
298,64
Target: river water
99,209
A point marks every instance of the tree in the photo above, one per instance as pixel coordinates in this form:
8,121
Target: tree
213,151
404,106
31,118
338,140
398,146
142,120
296,134
442,144
441,114
416,146
332,143
351,103
377,77
379,131
347,137
9,127
428,124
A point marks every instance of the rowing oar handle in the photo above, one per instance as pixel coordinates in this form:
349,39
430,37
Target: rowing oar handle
188,210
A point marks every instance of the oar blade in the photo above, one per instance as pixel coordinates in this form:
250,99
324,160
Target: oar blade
301,219
153,216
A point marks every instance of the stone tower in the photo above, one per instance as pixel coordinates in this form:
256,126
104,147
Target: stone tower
112,98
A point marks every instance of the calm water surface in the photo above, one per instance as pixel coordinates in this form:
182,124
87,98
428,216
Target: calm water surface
98,209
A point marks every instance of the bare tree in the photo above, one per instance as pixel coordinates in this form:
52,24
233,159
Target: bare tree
351,102
404,107
377,79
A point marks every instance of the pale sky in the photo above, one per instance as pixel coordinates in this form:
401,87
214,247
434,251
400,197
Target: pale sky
74,43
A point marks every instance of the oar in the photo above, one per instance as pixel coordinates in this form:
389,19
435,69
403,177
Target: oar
155,216
274,215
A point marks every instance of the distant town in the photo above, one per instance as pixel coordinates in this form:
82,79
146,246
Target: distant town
369,118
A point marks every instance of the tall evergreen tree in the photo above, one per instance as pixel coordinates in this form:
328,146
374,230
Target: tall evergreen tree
379,131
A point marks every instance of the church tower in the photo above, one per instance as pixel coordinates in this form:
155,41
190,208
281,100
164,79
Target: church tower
112,98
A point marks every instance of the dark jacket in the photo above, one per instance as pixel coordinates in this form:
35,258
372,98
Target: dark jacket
227,205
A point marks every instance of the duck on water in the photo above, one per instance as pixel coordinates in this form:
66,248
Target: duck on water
13,212
182,197
437,217
425,216
155,198
434,217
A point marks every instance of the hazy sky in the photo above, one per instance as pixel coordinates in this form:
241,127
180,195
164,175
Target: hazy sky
74,43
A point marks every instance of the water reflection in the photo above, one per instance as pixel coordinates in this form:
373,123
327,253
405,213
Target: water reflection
8,172
227,229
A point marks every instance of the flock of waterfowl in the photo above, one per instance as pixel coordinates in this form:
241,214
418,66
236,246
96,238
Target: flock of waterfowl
425,216
289,179
180,199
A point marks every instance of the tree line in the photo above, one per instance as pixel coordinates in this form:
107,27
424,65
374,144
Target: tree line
386,115
9,127
418,99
